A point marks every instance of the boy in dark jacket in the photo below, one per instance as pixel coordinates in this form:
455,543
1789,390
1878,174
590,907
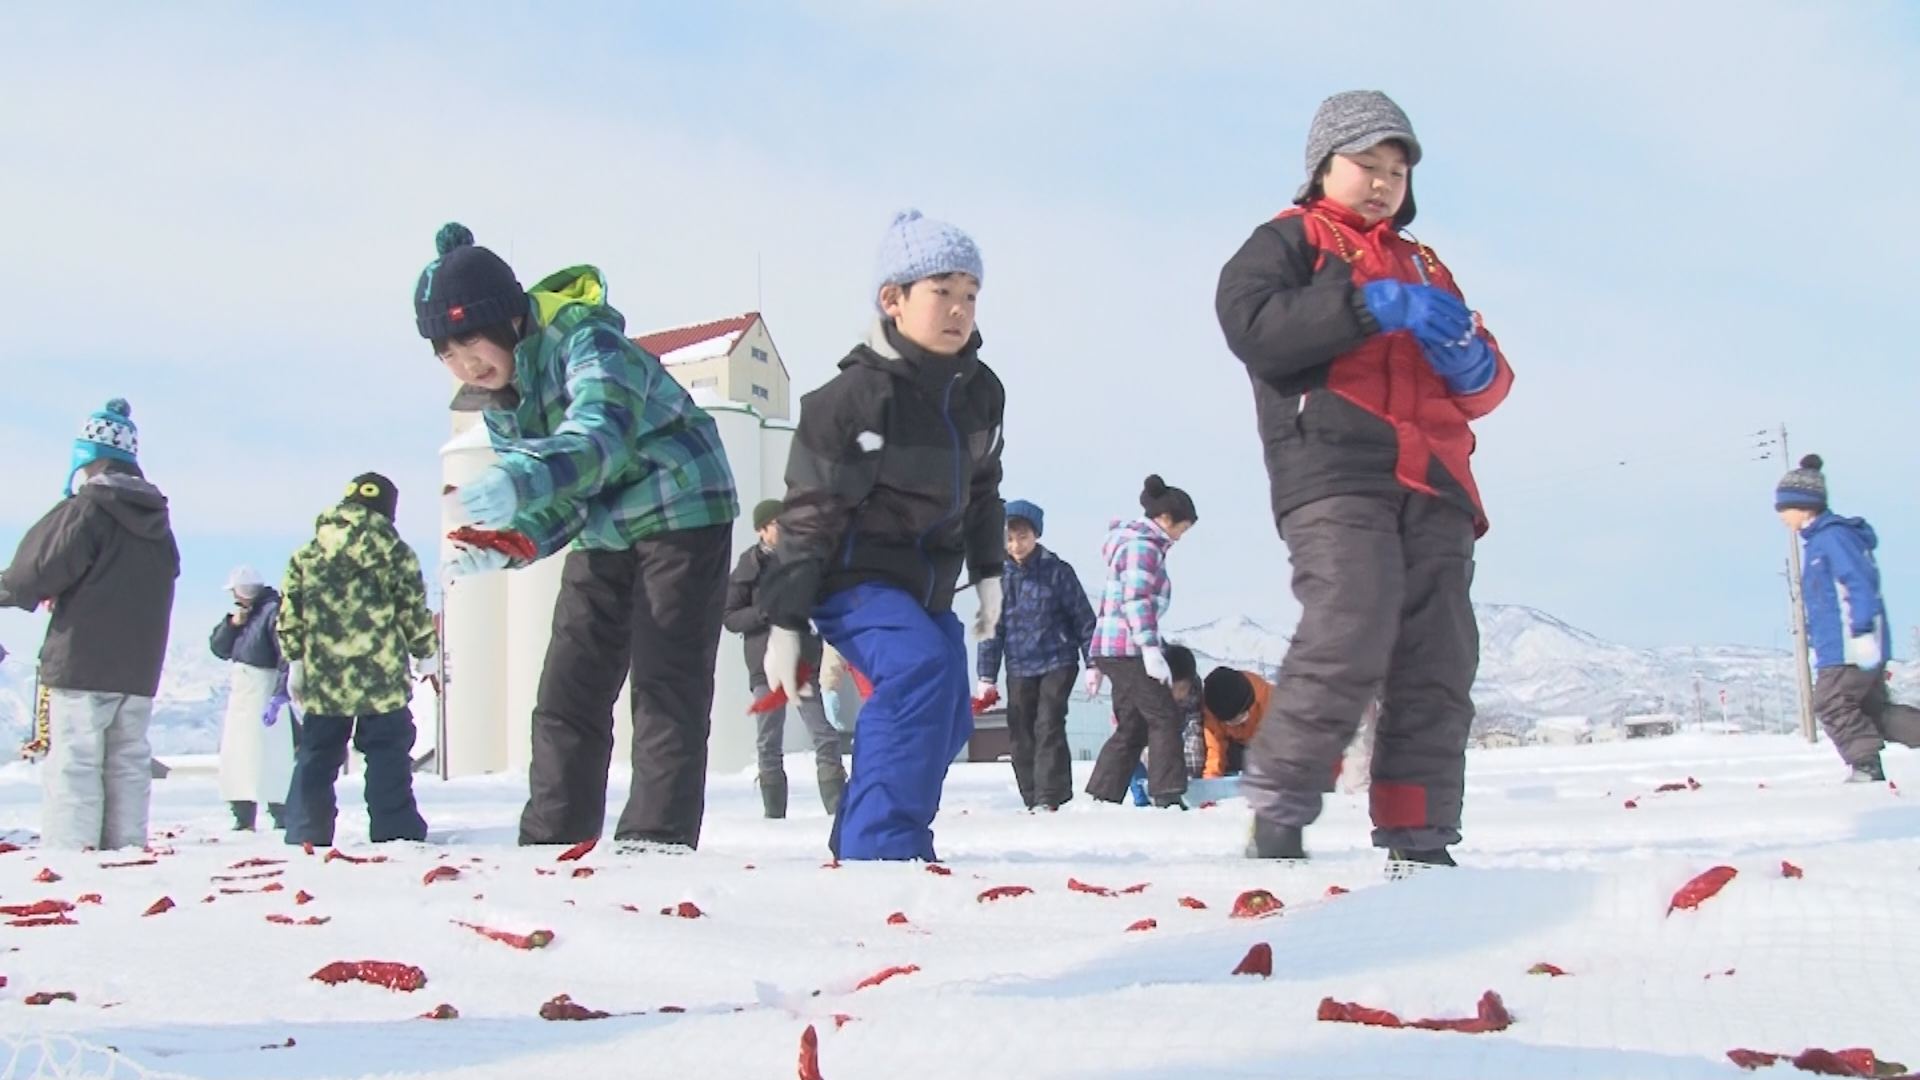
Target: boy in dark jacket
602,450
1045,629
1846,625
352,610
745,618
106,560
1367,368
893,487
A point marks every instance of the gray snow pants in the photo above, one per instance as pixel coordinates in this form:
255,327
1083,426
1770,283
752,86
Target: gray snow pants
770,740
1145,717
99,773
1383,583
1853,706
654,609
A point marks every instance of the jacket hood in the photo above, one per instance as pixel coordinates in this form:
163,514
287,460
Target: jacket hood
131,501
336,528
1858,526
1123,531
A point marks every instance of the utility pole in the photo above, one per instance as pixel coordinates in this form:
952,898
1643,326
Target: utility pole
1797,610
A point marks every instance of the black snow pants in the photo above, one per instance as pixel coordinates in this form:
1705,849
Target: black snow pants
1146,716
1853,706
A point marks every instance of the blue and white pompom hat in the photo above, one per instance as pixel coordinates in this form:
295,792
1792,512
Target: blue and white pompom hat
108,434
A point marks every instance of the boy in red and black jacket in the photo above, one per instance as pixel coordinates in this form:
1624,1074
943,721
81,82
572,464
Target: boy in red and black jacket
1367,368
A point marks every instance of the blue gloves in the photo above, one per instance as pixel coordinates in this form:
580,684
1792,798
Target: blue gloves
1444,327
469,561
1466,369
1434,315
488,502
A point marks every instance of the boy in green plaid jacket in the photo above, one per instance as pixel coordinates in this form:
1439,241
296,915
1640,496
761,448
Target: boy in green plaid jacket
599,447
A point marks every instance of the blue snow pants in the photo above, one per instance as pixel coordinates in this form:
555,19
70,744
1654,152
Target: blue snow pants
919,718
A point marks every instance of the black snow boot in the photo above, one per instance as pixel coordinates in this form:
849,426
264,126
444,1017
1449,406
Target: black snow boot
832,786
278,812
1403,862
773,794
1270,841
244,814
1867,772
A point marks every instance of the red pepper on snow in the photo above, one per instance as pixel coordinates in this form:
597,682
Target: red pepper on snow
1258,961
45,920
440,873
38,907
46,876
46,997
577,851
1256,904
563,1007
441,1012
810,1054
1544,968
1003,892
942,871
159,907
1193,902
898,918
879,977
354,860
1076,885
685,909
401,977
1143,924
1705,886
538,939
1788,870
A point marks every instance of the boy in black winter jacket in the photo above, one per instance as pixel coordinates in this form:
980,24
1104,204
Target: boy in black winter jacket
893,487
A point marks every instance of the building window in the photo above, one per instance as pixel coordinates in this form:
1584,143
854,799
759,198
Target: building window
708,383
762,393
760,354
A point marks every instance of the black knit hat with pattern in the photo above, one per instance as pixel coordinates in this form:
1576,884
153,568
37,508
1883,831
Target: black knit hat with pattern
466,289
375,492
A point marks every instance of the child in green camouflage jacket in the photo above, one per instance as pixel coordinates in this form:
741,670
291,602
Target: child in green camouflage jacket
353,608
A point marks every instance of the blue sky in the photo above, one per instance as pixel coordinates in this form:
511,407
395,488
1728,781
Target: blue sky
1685,222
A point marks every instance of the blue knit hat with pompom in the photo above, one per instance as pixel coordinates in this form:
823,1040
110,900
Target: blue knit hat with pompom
466,289
107,435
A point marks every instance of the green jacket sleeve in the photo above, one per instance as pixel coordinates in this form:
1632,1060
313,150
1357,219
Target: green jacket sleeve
409,591
607,388
289,624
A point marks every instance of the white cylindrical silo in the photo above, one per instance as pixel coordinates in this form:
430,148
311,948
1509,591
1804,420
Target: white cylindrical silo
731,746
531,593
475,641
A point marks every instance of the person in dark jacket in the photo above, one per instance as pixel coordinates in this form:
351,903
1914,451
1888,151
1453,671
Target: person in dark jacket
893,487
256,739
1846,625
106,561
1367,369
1045,629
745,618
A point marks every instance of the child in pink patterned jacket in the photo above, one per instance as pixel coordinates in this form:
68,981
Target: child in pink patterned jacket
1127,649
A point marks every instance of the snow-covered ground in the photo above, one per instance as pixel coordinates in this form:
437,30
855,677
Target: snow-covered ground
1048,984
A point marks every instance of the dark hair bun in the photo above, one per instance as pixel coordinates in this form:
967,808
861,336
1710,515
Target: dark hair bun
1154,488
1812,461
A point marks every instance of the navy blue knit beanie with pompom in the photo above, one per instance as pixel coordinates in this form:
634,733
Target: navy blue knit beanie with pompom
466,289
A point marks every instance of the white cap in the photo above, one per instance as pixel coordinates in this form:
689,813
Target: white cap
245,580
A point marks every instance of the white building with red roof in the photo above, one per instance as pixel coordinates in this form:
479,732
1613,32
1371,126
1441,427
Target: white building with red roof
732,358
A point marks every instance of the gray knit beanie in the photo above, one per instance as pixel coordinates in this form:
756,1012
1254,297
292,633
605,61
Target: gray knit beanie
1353,121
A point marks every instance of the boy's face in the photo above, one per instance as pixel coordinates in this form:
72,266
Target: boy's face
770,534
477,361
1795,518
1020,540
1182,690
936,313
1372,183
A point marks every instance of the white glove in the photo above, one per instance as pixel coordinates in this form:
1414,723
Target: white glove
1863,651
468,561
1156,664
428,670
1093,682
782,665
986,623
297,682
984,688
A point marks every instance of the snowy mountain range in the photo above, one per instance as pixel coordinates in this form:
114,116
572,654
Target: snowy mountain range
1532,667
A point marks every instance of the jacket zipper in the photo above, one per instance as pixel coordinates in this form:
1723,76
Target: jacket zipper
959,478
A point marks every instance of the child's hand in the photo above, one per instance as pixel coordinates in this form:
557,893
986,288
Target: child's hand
1093,683
1432,314
468,561
488,501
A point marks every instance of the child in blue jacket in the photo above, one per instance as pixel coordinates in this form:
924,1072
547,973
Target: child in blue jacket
1846,625
1045,628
